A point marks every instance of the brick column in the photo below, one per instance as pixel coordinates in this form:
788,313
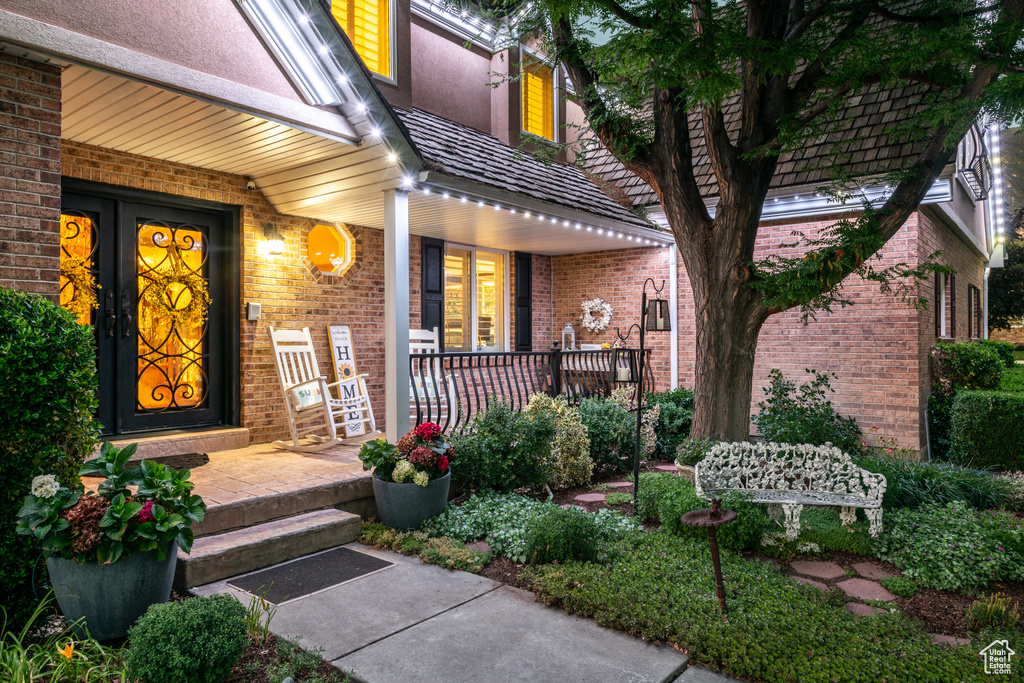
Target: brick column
29,176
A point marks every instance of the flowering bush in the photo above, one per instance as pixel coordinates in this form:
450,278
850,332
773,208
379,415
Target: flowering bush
116,521
421,455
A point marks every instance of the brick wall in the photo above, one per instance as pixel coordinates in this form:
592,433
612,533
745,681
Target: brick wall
1014,335
934,236
292,295
618,278
873,346
543,334
29,176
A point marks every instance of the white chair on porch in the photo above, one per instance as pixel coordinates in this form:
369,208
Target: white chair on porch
308,398
427,381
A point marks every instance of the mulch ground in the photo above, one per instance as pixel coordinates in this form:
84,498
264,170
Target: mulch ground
259,657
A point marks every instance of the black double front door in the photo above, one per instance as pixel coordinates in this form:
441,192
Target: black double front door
167,303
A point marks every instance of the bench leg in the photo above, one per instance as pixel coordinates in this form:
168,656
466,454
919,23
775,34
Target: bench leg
775,513
848,515
874,516
792,512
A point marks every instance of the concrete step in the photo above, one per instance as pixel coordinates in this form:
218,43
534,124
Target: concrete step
245,550
165,445
354,494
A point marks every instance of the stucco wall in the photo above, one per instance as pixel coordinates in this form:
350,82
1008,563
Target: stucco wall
448,79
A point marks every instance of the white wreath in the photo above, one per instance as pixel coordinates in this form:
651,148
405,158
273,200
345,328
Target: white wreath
596,314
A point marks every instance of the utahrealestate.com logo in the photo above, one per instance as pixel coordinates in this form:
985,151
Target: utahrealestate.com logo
997,657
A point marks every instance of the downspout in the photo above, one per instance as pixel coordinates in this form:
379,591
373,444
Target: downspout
673,302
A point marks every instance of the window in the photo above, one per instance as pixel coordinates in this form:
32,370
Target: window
368,25
475,300
974,312
945,306
538,99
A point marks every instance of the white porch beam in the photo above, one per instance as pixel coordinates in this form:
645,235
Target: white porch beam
396,313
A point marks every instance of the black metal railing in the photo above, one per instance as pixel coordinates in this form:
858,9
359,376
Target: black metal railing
450,388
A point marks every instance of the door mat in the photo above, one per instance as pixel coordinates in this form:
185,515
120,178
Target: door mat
309,574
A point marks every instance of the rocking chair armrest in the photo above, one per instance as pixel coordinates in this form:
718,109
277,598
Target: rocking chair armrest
353,379
311,380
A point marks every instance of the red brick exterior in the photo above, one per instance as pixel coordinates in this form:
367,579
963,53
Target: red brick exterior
1014,335
29,176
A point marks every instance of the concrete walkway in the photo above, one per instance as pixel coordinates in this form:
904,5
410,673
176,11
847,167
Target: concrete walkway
415,622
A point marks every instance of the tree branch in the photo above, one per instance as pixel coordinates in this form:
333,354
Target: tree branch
634,20
947,18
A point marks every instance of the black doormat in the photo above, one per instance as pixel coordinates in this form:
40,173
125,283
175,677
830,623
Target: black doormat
309,574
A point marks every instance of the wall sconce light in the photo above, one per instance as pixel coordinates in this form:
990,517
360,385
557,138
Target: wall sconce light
273,241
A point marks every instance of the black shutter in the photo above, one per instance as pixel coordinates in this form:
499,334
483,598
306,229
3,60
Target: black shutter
524,302
432,291
952,306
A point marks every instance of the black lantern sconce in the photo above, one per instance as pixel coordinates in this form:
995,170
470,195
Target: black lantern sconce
658,316
622,368
273,241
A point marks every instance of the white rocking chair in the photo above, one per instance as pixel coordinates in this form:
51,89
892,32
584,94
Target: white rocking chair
428,381
307,396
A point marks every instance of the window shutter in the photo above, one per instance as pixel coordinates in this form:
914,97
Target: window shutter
524,302
938,303
432,290
952,306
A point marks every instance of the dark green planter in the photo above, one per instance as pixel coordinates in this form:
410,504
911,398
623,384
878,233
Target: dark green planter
407,506
111,597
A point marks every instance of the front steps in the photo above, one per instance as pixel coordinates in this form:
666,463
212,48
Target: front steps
185,442
244,550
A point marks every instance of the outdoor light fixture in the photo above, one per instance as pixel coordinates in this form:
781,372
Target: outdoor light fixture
658,319
273,241
568,338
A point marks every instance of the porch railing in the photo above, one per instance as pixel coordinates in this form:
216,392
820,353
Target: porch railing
451,388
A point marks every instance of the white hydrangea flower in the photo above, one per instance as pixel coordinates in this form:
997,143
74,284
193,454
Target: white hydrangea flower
45,486
421,479
808,548
403,471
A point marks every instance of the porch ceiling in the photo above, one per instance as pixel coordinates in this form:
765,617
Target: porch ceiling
294,167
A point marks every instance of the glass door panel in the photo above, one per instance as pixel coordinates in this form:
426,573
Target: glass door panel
490,301
458,300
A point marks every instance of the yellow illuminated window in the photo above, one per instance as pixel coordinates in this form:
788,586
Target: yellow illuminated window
367,24
538,100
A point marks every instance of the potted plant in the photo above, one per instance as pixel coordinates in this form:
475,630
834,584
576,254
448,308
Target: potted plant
410,479
689,453
111,554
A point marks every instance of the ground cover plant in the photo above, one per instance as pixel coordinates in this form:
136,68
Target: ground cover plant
952,546
562,534
821,532
440,550
804,414
660,587
1013,379
48,380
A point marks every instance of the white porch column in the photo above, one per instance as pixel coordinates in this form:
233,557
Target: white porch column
396,313
673,303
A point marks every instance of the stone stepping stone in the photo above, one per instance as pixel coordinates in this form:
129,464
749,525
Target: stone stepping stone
620,484
861,610
819,569
948,640
667,468
479,546
872,571
862,589
811,582
590,498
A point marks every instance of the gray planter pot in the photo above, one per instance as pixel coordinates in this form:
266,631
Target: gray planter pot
110,597
406,506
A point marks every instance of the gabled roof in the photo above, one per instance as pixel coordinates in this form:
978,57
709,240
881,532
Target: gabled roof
862,139
462,152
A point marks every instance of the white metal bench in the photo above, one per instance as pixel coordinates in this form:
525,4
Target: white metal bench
787,477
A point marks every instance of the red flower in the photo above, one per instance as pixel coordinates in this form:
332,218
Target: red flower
442,463
146,513
428,431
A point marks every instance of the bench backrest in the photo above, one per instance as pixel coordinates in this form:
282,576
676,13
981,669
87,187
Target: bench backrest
767,466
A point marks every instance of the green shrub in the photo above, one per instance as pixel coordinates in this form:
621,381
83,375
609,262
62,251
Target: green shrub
194,641
967,365
899,585
672,497
674,419
1013,379
953,547
302,666
912,484
661,588
570,464
692,451
804,415
48,375
1004,349
995,611
504,450
610,428
985,429
822,527
562,534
